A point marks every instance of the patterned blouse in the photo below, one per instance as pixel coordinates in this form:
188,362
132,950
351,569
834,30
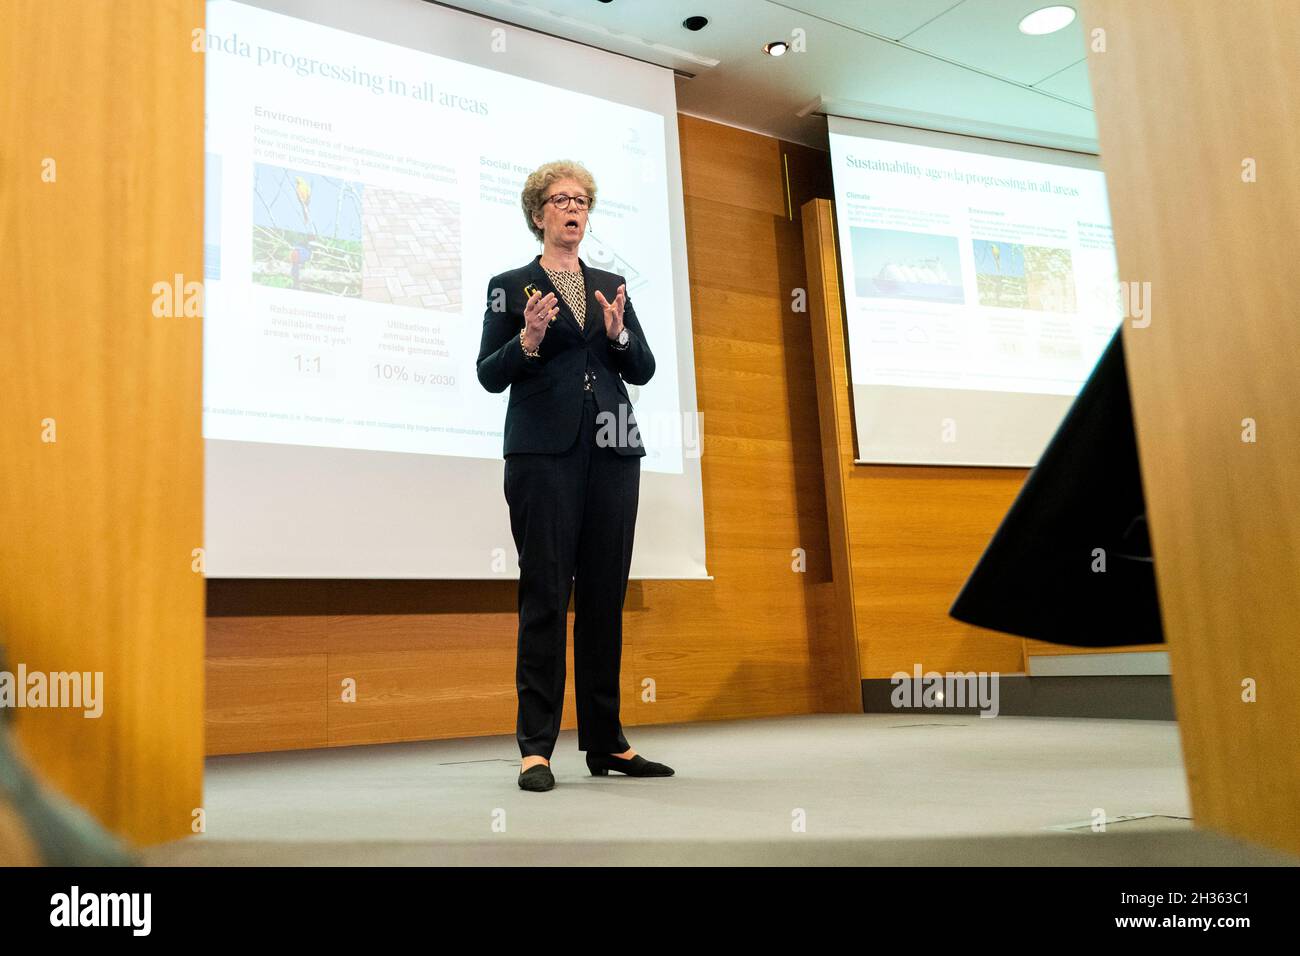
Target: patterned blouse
571,287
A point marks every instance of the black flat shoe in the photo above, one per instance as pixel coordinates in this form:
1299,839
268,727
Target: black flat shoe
537,777
636,766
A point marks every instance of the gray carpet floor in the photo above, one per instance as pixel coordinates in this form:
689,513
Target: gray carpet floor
810,790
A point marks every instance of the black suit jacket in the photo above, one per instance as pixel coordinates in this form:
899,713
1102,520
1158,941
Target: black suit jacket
546,394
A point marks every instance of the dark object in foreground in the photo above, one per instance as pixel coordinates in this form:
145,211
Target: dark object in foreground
1081,510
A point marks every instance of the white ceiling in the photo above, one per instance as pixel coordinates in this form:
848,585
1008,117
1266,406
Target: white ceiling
960,65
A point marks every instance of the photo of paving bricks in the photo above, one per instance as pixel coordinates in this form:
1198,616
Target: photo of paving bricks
412,250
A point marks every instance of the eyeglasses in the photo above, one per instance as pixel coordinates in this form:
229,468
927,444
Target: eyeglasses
562,201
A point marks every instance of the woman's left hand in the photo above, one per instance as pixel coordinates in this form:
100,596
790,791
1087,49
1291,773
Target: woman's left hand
613,312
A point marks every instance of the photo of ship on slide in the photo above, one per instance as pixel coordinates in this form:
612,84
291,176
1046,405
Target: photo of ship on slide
890,264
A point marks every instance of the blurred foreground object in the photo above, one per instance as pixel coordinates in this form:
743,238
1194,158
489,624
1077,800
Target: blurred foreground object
39,827
1071,562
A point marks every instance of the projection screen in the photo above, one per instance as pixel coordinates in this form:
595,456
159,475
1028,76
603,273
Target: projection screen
980,289
364,165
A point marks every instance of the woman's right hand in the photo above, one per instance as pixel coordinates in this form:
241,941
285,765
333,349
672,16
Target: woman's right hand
538,313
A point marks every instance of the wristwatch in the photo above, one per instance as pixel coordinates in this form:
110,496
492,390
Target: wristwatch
622,341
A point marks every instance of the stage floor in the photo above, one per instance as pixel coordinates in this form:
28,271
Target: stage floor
869,789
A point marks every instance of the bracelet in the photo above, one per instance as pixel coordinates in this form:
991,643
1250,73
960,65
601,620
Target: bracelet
535,353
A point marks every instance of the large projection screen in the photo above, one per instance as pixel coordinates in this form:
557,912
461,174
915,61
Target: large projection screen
980,289
364,166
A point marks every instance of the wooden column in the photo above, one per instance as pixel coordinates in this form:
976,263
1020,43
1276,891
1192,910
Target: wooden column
101,497
835,417
1196,110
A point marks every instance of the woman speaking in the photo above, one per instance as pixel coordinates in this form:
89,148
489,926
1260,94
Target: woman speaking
563,337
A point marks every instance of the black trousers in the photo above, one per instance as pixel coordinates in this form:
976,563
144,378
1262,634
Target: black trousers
572,516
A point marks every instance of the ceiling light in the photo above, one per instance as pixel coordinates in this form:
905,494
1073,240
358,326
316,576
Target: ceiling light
775,48
1047,20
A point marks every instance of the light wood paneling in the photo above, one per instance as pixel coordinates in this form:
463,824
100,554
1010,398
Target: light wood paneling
731,166
1186,93
437,659
263,693
99,525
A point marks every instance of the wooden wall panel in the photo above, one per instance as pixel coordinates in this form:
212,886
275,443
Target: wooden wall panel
919,532
99,525
436,659
1187,97
266,681
732,166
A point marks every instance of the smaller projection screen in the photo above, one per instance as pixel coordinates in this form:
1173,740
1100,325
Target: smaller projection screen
980,288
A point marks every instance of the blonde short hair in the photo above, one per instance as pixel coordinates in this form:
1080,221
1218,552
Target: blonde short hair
545,176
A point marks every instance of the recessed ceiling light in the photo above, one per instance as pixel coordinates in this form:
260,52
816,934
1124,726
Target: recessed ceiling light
1047,20
695,23
775,48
